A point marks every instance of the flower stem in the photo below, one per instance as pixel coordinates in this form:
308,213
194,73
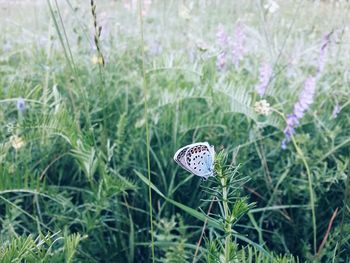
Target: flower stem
145,91
227,226
309,176
311,192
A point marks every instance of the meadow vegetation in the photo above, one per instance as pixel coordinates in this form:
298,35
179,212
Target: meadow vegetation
97,96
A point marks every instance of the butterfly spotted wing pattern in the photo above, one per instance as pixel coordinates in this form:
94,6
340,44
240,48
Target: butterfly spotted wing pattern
179,157
197,158
200,160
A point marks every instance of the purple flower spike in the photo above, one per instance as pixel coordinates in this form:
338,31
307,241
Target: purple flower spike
222,40
222,37
292,121
265,73
21,105
306,98
221,60
238,45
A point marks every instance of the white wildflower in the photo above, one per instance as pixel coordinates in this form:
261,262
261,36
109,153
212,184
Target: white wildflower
184,12
271,6
16,142
262,107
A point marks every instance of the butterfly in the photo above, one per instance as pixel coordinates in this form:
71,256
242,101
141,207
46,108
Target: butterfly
197,158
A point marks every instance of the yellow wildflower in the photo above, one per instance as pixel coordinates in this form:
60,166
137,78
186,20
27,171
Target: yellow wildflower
97,60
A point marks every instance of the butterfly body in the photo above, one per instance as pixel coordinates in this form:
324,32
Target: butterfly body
197,158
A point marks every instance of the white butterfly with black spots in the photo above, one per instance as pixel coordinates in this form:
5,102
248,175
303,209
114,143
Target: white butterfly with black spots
197,158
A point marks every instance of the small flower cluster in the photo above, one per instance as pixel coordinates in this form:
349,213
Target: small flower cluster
306,96
271,6
16,142
262,107
225,43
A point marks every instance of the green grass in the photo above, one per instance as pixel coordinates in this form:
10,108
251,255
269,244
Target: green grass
95,179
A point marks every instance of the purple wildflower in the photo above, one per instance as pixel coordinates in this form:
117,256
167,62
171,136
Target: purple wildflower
222,37
336,111
292,121
221,60
265,73
222,40
21,105
306,98
238,44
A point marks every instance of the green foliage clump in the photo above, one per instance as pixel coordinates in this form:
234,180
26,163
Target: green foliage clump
49,248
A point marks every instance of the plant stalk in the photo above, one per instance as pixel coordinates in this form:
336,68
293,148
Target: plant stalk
227,227
309,176
144,84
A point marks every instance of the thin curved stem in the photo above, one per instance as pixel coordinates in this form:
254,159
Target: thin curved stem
227,220
202,233
144,84
309,176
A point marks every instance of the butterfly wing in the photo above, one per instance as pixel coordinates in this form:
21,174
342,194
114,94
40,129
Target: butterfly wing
180,159
199,159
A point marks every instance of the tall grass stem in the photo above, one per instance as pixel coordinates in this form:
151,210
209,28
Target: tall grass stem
144,85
